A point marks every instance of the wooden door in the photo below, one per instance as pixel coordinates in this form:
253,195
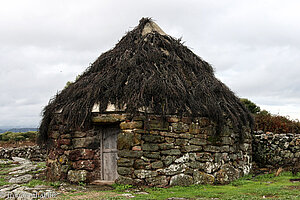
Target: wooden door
109,153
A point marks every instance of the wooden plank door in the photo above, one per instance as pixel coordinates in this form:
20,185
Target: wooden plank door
109,153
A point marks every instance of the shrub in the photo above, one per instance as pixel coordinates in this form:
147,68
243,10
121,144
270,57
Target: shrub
275,123
20,136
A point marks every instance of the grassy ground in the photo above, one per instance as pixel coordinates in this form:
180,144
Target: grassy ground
259,187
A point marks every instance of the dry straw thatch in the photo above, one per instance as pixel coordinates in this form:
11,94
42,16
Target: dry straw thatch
147,69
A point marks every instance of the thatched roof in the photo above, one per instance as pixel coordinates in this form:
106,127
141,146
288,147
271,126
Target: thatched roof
147,70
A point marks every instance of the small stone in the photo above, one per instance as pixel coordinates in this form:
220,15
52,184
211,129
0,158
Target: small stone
181,180
87,142
76,176
150,147
125,162
157,164
191,148
79,134
124,180
203,178
198,141
159,181
154,155
145,173
137,148
171,152
124,171
84,164
130,154
125,140
152,138
168,160
165,146
21,179
131,125
81,154
181,142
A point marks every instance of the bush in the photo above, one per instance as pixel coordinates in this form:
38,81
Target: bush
265,121
20,136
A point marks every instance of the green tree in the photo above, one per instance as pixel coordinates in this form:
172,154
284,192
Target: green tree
252,107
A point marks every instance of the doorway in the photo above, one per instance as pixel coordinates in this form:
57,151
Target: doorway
109,152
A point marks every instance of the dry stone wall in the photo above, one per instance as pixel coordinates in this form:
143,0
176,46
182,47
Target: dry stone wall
152,151
276,150
33,153
181,151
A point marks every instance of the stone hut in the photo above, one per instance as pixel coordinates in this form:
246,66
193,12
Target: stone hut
147,112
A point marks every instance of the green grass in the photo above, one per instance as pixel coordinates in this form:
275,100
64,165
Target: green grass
260,187
249,187
3,182
36,182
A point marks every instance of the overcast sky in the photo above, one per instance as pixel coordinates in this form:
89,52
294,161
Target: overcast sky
253,45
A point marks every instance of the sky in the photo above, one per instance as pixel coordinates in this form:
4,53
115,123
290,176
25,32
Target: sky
253,45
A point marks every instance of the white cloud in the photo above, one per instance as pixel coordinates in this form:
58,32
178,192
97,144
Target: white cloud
253,45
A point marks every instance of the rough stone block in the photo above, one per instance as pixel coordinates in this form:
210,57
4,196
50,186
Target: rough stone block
186,135
63,142
76,176
165,146
140,164
168,160
191,148
79,134
145,173
131,125
180,127
136,148
125,162
124,180
203,178
158,125
125,140
173,119
171,152
158,181
150,147
124,171
152,138
194,128
81,154
130,154
157,164
153,155
181,180
211,148
87,142
108,118
169,134
198,141
84,164
181,142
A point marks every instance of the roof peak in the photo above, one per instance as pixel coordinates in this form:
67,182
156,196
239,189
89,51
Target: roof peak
151,27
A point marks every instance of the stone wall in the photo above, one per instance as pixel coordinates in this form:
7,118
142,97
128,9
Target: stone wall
181,151
152,151
276,150
33,153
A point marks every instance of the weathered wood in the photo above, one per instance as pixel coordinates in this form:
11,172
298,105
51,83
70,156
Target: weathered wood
109,153
102,182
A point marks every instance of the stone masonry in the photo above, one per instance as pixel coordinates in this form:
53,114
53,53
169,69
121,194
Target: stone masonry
276,150
152,151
